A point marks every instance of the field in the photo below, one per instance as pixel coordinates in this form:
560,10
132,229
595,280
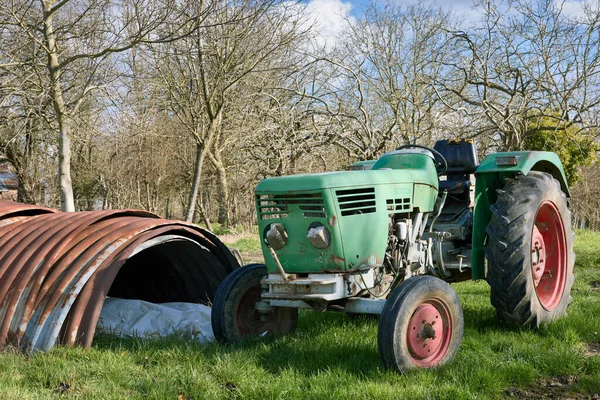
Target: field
332,356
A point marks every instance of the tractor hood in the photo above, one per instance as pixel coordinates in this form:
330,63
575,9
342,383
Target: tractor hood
328,180
350,209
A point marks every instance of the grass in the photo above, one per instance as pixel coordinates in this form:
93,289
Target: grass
247,243
332,356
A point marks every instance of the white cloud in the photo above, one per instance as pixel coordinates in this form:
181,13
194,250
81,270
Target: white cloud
571,8
330,18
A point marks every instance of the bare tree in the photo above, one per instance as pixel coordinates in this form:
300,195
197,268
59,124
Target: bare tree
79,39
205,73
24,140
523,63
380,80
403,53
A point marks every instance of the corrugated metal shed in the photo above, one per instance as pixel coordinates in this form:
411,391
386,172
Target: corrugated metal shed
57,268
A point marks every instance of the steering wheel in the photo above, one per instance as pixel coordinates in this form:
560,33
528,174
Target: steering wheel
441,165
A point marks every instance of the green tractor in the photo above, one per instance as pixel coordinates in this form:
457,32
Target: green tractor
388,241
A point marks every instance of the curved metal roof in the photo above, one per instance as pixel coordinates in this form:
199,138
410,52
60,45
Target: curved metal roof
57,268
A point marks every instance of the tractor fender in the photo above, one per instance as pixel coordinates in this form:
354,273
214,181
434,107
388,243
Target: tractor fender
525,161
490,176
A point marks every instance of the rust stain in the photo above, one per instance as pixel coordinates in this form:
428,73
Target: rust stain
332,220
332,271
57,268
337,260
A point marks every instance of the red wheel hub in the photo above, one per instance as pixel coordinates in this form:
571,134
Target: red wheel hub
429,333
247,323
548,256
538,258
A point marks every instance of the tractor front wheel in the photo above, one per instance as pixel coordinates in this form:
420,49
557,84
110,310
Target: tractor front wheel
530,251
421,325
234,316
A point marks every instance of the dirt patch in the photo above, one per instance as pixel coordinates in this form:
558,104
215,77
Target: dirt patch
234,237
63,388
229,238
249,257
10,349
592,350
253,257
550,388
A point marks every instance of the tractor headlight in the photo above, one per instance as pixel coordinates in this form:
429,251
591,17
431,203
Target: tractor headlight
277,236
318,235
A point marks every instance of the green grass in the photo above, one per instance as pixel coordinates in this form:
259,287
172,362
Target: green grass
331,356
247,244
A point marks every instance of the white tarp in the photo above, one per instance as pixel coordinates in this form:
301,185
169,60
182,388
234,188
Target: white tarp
137,318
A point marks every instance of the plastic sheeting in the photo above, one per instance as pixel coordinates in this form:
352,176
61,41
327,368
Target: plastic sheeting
137,318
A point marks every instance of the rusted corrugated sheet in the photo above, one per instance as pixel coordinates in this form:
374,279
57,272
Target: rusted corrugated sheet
57,268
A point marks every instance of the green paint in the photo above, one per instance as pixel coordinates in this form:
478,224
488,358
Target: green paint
353,205
490,177
543,161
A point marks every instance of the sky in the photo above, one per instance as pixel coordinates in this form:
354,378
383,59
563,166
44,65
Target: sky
332,15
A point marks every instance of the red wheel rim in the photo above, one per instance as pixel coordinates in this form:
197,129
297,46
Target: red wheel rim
429,333
548,256
247,321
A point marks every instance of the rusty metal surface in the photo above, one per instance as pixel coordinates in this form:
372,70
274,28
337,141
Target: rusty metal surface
57,268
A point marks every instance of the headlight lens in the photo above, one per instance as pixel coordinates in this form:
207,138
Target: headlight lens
318,235
277,236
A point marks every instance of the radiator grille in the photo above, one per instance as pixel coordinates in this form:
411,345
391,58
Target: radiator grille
279,206
356,201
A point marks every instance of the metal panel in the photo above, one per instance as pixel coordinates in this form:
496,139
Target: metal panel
57,268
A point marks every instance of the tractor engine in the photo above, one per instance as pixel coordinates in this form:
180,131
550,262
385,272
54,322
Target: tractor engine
441,244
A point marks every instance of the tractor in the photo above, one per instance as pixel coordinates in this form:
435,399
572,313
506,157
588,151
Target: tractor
390,239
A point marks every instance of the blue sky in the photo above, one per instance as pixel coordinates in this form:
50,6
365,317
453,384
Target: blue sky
331,15
464,7
457,5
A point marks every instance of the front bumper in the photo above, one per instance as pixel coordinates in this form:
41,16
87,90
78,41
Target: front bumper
326,287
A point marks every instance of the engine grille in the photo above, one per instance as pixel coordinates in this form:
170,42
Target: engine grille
279,206
356,201
398,205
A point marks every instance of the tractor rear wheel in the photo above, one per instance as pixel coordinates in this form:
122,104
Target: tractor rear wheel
234,316
530,251
421,325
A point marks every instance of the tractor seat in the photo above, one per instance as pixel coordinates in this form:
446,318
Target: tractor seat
461,156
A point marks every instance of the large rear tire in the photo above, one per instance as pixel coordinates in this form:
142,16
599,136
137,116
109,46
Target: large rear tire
530,251
234,317
421,325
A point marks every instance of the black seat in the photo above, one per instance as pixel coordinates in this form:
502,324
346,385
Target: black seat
461,156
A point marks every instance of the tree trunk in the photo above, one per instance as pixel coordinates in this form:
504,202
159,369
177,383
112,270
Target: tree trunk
222,189
23,194
191,208
203,214
64,141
